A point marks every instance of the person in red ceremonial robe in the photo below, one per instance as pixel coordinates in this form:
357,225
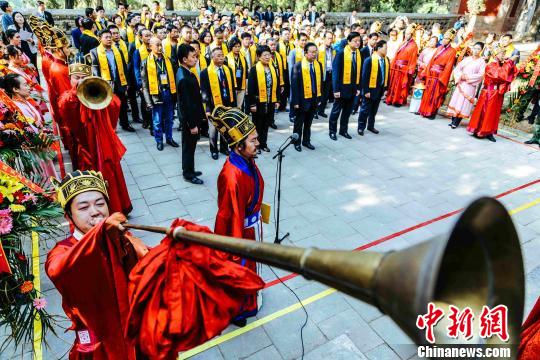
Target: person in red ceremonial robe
497,79
96,144
529,347
437,75
90,268
240,190
402,69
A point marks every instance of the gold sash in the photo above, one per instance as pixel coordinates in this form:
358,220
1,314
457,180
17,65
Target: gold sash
347,65
130,34
231,61
375,70
306,79
280,66
104,64
153,77
214,83
167,46
143,52
299,54
261,83
124,50
90,33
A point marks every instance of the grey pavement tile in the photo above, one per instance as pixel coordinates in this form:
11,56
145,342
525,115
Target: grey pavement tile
204,210
211,354
327,307
170,170
245,345
394,337
351,324
151,181
168,210
382,352
139,208
340,348
366,311
194,195
134,192
159,194
140,158
268,353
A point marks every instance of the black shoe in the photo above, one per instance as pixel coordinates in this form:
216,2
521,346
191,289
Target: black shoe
215,156
138,121
273,126
346,135
159,146
397,105
354,112
316,116
240,323
194,180
128,128
205,134
491,138
224,152
291,120
151,132
360,132
172,143
265,149
323,115
197,173
333,136
532,141
530,120
373,130
309,146
298,148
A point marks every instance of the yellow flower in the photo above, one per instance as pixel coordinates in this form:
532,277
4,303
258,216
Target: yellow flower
8,186
17,208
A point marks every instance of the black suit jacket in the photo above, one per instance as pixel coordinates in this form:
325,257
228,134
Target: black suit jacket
346,91
48,17
190,103
375,92
365,53
269,17
297,89
208,100
88,43
96,70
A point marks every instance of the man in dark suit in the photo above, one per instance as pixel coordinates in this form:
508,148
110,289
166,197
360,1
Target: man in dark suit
45,15
345,87
88,40
190,110
269,15
305,105
313,15
373,86
365,52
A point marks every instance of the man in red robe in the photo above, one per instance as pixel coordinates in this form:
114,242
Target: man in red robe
90,268
402,69
497,79
437,75
240,190
96,144
529,347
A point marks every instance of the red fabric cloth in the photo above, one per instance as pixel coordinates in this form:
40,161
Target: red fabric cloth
486,114
402,70
91,276
236,191
183,295
437,75
529,347
97,146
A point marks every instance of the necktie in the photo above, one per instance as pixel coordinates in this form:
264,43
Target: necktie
353,72
223,83
381,63
313,80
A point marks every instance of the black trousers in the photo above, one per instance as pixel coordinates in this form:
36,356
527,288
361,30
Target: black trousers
132,97
326,92
189,143
213,138
263,118
368,110
284,96
302,123
121,93
344,107
146,114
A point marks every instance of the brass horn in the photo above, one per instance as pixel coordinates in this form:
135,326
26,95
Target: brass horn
479,264
94,93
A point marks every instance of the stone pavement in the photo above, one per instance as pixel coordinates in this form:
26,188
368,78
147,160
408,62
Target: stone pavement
343,195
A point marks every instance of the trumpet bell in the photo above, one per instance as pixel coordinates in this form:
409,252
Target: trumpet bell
94,93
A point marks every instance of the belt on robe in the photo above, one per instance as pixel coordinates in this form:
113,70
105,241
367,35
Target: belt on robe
491,87
437,68
402,62
251,220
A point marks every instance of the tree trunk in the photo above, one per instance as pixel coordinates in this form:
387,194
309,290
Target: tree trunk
169,5
250,5
99,2
329,5
69,4
525,20
293,5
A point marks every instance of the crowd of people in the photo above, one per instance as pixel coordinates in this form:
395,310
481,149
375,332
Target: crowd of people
224,76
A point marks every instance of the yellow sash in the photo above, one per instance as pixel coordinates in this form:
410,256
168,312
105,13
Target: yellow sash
104,64
90,33
153,78
306,79
194,71
299,54
232,64
375,70
509,50
138,42
143,52
261,83
347,65
124,50
202,62
167,46
98,24
283,51
322,56
223,47
214,83
280,66
130,34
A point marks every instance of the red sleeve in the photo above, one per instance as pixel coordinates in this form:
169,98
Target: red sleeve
230,216
413,57
450,59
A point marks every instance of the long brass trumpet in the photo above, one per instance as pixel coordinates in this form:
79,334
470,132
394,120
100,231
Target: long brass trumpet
479,264
94,93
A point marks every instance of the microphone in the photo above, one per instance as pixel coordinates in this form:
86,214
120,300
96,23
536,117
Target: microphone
293,138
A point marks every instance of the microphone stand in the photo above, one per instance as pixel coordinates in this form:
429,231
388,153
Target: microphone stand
280,157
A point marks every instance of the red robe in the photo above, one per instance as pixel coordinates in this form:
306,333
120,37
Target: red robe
529,347
97,146
91,275
184,294
240,194
402,70
486,114
437,75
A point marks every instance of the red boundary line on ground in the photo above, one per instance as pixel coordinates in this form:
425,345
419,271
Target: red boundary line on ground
519,142
407,230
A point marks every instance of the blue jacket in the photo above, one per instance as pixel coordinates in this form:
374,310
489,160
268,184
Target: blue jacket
378,91
297,88
346,91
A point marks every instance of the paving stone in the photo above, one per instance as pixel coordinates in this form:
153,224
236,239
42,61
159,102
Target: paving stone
394,337
167,210
159,194
151,181
211,354
245,345
268,353
382,352
340,348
